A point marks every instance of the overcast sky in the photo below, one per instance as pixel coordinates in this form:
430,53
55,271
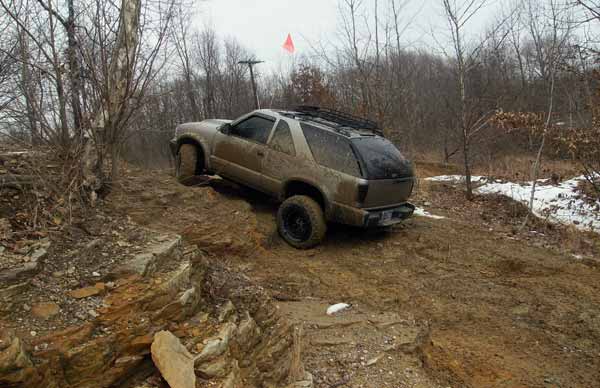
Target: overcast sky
262,25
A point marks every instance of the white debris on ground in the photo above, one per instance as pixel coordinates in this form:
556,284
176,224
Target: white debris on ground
424,213
336,308
561,203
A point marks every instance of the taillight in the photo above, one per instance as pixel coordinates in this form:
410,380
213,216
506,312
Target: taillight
363,189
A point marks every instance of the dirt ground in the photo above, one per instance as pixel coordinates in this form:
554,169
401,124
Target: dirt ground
462,301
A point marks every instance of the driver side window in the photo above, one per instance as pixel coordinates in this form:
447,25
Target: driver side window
255,128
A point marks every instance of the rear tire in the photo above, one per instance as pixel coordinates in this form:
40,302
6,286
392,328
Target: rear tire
186,162
300,222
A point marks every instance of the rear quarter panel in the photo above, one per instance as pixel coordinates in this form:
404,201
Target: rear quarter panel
280,169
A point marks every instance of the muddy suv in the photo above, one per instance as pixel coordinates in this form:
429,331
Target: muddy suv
323,165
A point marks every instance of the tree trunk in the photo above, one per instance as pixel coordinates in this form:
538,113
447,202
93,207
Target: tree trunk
465,130
74,70
26,85
60,89
121,76
467,163
114,159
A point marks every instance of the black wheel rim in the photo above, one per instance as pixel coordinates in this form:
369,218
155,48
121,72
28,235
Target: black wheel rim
296,223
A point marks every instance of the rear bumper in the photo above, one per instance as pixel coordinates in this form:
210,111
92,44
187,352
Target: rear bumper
387,217
371,218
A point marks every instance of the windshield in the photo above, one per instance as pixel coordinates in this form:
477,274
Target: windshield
381,158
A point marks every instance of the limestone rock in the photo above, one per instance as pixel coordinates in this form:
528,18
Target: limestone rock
172,359
216,346
45,310
248,333
141,263
188,296
177,279
149,262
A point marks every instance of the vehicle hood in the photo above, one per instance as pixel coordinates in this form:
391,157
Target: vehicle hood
205,127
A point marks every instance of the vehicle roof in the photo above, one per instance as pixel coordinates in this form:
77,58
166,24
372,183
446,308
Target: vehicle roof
318,122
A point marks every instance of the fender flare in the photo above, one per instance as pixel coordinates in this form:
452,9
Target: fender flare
186,137
326,202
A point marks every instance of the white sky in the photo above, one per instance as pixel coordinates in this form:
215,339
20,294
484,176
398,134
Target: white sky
261,26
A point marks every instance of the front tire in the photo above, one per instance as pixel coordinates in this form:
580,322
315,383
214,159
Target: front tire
300,222
186,162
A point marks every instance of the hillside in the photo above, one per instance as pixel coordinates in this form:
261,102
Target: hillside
459,301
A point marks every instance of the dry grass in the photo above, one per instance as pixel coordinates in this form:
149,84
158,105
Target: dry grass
515,168
519,168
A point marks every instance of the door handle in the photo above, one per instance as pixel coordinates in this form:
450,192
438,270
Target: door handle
260,153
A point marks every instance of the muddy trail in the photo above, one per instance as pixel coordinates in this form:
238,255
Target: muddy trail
459,301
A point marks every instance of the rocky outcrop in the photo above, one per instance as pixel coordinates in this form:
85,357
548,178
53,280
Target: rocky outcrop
254,337
201,319
149,262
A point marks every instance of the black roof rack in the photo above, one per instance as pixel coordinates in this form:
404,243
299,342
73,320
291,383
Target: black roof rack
342,119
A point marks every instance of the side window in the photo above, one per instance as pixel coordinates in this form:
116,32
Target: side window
331,150
282,139
254,128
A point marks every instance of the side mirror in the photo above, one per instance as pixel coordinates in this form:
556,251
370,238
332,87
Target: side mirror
225,129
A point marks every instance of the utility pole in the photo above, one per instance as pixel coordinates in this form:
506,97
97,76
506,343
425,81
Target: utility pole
251,63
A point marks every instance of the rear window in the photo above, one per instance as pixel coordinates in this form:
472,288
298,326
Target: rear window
331,150
381,158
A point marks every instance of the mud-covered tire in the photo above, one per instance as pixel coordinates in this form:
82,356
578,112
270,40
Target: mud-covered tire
186,163
300,222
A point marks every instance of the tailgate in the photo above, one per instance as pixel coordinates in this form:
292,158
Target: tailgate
388,192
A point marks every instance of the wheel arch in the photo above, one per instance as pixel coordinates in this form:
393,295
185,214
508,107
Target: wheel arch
203,157
302,187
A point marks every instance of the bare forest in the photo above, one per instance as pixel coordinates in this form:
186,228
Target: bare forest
76,71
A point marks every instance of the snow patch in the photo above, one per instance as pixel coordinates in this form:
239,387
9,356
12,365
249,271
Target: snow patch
424,213
336,308
561,203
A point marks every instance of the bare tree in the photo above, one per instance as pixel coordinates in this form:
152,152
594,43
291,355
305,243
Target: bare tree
8,62
181,27
207,51
470,119
558,32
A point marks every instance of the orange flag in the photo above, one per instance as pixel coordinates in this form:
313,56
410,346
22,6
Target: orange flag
289,44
